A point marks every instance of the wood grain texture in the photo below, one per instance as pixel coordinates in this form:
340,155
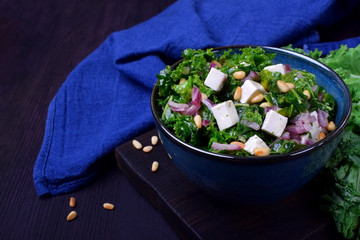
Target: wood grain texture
41,42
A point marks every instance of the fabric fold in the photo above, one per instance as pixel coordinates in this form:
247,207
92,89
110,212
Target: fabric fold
105,100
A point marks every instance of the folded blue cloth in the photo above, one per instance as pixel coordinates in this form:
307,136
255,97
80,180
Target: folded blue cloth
105,101
330,46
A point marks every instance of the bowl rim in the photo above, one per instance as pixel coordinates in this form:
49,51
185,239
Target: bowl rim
276,158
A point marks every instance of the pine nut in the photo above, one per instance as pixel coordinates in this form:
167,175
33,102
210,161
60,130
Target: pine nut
307,94
147,149
182,81
108,206
321,135
282,86
262,151
290,85
137,144
331,126
217,63
203,96
154,140
198,121
242,145
72,202
238,75
237,93
265,104
258,98
72,215
154,166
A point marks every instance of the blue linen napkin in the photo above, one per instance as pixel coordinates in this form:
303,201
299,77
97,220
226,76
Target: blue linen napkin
330,46
105,101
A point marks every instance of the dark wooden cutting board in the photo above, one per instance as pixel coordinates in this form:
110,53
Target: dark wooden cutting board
194,215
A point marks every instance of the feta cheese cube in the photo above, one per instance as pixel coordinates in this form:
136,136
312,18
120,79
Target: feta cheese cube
276,68
253,143
249,89
274,123
225,114
215,79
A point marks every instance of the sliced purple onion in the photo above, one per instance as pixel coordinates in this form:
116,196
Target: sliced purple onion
322,118
195,96
250,124
297,129
205,122
221,146
212,65
178,107
208,103
304,118
192,110
321,96
188,109
287,68
296,138
286,136
251,76
309,142
275,108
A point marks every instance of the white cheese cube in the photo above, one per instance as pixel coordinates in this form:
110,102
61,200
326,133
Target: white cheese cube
249,89
274,123
253,143
315,128
225,114
276,68
215,79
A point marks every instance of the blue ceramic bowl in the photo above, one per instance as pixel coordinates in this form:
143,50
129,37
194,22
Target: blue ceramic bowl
254,180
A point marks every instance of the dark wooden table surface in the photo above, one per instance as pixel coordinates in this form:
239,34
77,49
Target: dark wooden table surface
41,42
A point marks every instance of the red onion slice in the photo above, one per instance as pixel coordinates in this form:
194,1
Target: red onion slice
221,146
251,76
287,68
188,109
304,118
192,110
297,129
212,65
208,103
195,96
322,118
286,136
178,107
275,108
206,122
250,124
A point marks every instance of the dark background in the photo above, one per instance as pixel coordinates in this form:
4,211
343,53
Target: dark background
41,42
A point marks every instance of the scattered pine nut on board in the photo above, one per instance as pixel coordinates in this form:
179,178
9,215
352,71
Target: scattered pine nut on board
108,206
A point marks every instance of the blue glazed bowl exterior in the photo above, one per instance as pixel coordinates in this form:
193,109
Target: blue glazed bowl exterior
254,180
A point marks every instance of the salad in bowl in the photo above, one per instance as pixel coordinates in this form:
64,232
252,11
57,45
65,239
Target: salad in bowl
241,103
